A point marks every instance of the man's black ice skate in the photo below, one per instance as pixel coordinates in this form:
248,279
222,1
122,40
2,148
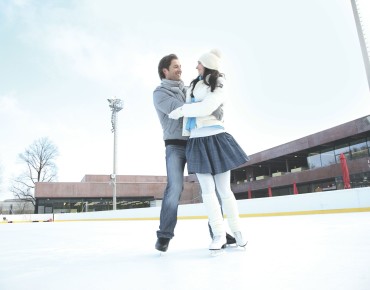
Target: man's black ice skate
230,240
162,244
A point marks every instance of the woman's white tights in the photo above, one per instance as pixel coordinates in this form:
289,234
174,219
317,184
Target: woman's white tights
209,183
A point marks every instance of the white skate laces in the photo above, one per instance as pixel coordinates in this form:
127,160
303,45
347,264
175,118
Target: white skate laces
218,242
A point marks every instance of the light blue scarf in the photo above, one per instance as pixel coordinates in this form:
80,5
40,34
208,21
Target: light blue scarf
190,124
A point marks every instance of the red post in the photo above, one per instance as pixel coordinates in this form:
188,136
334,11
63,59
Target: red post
295,189
270,192
345,171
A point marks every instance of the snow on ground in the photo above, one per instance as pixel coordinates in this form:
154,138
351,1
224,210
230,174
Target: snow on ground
329,251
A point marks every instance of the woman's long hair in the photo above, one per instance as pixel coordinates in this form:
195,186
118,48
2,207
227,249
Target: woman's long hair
212,80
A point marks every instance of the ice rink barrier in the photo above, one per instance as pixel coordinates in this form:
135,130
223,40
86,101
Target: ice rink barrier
336,201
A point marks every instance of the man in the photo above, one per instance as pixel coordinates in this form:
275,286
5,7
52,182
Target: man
169,95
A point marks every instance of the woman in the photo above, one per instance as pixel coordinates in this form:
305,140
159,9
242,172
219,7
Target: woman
211,152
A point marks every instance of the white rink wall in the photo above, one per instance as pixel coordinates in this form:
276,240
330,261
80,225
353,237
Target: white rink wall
348,200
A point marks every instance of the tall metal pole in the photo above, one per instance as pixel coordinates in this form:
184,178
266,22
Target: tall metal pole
114,177
116,105
360,32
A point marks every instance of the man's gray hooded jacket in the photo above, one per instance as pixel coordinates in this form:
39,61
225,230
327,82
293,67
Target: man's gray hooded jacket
167,97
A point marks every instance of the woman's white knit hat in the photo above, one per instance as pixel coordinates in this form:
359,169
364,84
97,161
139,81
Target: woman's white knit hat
211,59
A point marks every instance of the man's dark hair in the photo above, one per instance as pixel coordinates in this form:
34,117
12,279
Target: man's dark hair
165,62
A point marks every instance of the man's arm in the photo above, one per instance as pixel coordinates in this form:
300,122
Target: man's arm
219,113
199,109
208,106
165,102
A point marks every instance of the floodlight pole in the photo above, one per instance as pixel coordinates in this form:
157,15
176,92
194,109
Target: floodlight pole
116,105
361,37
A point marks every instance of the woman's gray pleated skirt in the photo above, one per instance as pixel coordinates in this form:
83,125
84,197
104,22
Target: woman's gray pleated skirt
214,154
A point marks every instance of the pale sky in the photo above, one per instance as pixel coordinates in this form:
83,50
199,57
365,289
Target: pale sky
293,68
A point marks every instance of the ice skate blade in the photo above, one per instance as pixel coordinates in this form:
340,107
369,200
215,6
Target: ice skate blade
244,246
162,254
215,253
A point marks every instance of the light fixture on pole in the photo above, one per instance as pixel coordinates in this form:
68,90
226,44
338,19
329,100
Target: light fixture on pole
116,105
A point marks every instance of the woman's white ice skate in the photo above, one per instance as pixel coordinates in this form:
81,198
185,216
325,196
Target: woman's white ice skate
217,245
240,241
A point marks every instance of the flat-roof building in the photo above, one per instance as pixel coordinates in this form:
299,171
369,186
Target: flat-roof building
312,162
95,193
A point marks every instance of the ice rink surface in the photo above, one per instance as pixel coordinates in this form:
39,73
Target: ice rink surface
328,251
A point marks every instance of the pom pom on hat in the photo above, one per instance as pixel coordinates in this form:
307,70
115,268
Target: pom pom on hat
211,59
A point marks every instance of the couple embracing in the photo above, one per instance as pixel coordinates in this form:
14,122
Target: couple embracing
193,132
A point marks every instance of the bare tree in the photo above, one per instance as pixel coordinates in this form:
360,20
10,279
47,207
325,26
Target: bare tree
39,158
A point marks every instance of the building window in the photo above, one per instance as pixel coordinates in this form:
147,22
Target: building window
327,158
359,149
314,160
342,149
